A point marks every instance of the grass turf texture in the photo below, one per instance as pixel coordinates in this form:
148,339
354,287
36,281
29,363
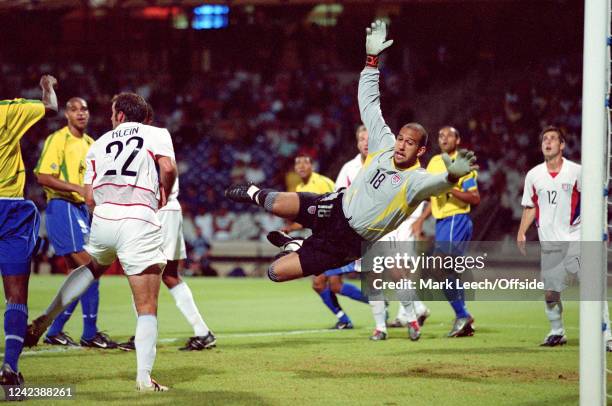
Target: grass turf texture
254,363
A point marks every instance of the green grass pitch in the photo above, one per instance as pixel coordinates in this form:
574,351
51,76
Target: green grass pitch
274,348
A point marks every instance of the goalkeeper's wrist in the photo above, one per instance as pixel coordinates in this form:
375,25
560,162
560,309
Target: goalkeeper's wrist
372,61
451,179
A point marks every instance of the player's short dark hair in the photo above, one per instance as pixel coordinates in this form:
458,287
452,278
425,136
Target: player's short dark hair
150,114
303,155
133,106
552,128
421,130
450,127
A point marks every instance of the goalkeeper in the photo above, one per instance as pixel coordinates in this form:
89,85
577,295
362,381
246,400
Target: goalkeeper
385,192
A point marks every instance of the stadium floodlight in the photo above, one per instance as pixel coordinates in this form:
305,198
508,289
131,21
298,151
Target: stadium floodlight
593,203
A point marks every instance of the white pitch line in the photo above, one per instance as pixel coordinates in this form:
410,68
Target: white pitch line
260,334
171,340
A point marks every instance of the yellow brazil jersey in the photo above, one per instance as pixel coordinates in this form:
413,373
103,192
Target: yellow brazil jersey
16,117
318,184
446,205
63,155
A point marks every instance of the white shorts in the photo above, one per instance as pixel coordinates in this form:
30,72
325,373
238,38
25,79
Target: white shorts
557,267
137,243
173,244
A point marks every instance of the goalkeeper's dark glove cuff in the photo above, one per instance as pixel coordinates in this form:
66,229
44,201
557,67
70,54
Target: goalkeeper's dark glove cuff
372,61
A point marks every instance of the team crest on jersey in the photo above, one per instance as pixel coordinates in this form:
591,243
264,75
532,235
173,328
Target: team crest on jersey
312,209
566,186
396,180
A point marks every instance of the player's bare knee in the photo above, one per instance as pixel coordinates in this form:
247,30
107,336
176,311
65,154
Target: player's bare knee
318,284
170,280
551,296
273,273
335,285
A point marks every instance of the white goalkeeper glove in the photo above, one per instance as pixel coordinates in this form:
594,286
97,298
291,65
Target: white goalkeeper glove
464,163
376,36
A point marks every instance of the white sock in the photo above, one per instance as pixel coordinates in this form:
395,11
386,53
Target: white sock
73,287
145,341
408,311
554,312
419,307
184,301
379,313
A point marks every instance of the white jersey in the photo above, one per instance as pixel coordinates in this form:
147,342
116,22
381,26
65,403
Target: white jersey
349,172
121,167
556,199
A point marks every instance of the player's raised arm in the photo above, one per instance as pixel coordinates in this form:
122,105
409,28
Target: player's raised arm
430,185
368,95
49,98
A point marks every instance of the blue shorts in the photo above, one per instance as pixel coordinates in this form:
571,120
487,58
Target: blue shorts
453,234
67,226
19,224
342,270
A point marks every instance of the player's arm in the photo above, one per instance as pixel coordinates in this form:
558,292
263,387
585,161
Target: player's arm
529,215
427,185
90,175
368,94
49,98
167,177
89,198
417,226
469,191
53,182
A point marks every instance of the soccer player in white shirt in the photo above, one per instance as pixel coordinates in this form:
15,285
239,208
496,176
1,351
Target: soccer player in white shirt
551,197
173,246
123,184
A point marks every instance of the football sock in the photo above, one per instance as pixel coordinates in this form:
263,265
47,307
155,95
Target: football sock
419,307
262,197
145,341
554,312
455,298
89,304
74,286
58,323
184,301
331,301
15,324
406,297
380,314
352,291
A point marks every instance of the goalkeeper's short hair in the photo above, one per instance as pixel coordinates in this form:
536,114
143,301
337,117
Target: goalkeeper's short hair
420,129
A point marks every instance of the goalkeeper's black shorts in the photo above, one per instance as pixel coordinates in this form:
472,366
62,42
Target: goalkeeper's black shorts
333,242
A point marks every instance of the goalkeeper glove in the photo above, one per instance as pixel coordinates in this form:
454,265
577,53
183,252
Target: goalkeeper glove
464,163
376,42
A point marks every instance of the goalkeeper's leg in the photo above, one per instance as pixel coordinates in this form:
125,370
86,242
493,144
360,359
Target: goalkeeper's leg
282,204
